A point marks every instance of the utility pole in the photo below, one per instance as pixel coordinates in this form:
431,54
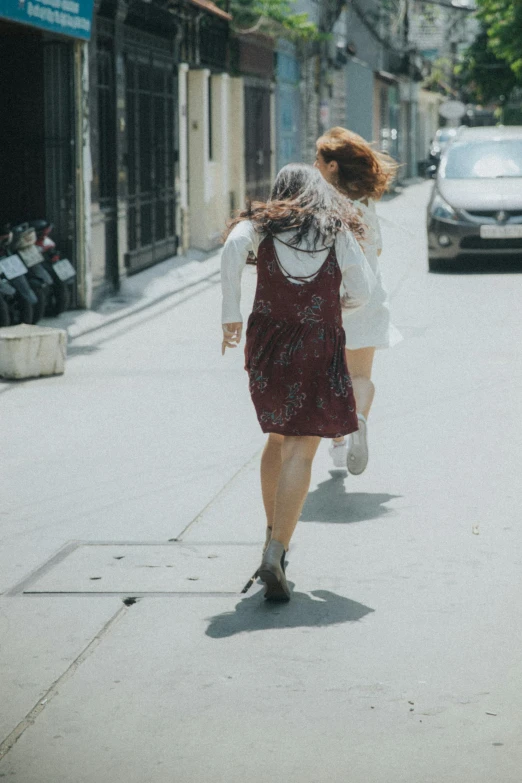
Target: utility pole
411,147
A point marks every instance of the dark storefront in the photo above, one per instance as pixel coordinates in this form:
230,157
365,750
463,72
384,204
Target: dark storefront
38,131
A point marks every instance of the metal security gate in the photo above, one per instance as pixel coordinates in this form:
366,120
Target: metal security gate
257,141
151,111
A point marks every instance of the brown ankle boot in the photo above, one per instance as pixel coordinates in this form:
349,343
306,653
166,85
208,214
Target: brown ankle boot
272,572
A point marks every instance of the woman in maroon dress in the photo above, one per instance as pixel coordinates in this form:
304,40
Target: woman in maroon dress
308,262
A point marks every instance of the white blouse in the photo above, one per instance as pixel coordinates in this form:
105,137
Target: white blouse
372,243
358,279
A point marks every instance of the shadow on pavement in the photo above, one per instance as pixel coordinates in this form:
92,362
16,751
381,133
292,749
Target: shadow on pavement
303,611
331,503
81,350
126,327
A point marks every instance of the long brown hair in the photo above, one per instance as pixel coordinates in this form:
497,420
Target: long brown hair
302,201
363,171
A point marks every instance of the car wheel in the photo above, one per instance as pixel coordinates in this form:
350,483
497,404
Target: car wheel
5,319
20,310
59,298
39,307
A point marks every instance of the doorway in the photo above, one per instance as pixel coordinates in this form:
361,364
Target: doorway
257,142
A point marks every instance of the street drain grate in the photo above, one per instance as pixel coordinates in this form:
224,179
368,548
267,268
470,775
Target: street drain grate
130,568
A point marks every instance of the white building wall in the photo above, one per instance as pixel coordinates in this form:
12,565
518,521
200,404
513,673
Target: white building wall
182,185
216,173
200,179
219,174
84,176
236,136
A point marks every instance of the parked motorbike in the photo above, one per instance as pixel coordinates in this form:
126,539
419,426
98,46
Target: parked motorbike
60,269
6,293
24,244
18,298
17,295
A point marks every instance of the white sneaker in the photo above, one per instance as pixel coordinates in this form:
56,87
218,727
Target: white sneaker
357,457
338,451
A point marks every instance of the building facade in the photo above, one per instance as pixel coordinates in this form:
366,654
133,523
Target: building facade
139,126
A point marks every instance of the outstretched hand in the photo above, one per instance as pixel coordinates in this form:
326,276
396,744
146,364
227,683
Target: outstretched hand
231,335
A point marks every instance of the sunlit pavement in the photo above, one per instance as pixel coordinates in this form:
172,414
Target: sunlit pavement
135,476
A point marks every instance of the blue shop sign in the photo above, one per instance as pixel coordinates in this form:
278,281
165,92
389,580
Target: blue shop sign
68,17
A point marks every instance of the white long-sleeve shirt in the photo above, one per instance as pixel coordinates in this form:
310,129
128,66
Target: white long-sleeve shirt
358,279
372,243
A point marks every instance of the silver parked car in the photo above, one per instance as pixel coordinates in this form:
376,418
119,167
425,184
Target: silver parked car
476,204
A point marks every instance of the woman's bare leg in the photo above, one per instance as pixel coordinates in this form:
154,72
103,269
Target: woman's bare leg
297,455
270,470
360,364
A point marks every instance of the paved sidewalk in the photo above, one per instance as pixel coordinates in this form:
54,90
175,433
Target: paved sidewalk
140,291
132,516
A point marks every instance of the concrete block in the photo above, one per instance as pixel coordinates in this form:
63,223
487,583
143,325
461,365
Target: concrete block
31,351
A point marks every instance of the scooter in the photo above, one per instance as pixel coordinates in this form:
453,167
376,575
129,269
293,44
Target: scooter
7,292
24,244
17,295
60,269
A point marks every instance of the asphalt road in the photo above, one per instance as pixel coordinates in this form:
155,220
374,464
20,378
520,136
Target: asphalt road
135,476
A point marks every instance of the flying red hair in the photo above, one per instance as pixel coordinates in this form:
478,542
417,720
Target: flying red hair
363,172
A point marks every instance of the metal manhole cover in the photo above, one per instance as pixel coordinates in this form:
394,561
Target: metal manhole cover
134,568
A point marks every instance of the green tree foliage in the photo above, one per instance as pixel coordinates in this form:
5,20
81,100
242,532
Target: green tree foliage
270,16
485,77
440,77
503,21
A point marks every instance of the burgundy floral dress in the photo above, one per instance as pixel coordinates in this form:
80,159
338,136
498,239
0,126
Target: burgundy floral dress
295,351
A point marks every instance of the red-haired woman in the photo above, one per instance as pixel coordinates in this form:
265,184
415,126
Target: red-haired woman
349,163
307,260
